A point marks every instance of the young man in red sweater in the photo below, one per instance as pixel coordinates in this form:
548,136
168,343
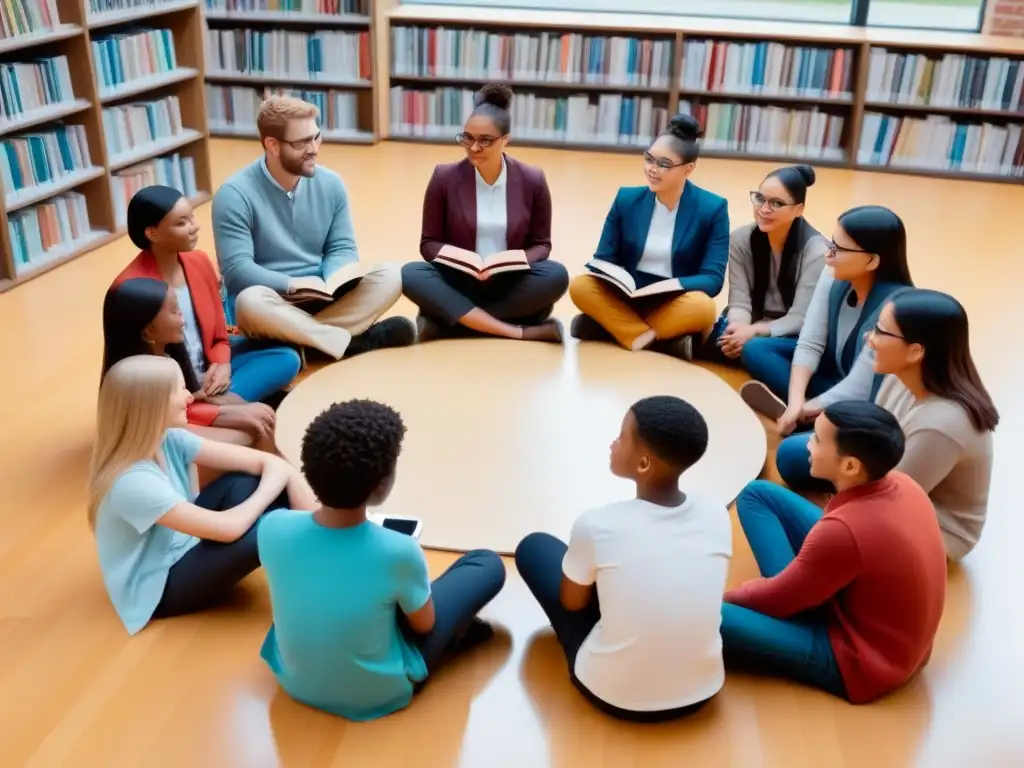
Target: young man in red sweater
849,600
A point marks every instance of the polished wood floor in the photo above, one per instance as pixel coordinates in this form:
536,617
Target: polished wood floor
76,691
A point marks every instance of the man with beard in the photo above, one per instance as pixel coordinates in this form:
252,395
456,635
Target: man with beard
286,246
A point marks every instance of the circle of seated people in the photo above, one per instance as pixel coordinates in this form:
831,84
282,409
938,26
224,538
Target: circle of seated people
506,439
868,378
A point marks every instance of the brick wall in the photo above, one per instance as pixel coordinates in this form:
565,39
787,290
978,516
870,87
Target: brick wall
1005,17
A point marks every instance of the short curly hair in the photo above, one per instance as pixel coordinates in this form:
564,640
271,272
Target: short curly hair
350,449
672,428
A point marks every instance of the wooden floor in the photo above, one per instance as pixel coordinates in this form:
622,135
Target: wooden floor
75,690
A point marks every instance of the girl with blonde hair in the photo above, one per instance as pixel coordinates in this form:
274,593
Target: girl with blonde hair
165,548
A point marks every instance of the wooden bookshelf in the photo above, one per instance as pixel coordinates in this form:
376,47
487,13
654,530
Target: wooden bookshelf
846,105
347,103
83,106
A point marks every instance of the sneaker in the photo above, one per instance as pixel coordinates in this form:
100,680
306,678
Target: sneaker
586,328
680,346
762,400
393,332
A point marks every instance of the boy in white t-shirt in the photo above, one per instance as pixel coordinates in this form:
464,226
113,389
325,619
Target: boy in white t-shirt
650,650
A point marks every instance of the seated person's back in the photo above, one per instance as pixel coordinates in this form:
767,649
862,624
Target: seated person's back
335,643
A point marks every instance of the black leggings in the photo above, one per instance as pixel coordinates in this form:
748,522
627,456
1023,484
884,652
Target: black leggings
539,561
208,571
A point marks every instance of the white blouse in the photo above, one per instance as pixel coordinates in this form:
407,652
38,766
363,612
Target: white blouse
491,215
657,257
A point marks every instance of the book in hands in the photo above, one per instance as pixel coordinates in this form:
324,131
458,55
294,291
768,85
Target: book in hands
621,279
478,266
337,284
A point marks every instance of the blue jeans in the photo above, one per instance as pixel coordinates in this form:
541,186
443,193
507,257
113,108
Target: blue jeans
793,460
776,521
769,359
260,369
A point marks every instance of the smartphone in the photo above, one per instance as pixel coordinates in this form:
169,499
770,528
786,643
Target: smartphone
410,526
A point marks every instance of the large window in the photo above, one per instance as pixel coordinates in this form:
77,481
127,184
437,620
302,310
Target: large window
920,14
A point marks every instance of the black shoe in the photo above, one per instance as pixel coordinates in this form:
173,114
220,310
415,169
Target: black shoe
393,332
680,346
586,328
428,329
477,633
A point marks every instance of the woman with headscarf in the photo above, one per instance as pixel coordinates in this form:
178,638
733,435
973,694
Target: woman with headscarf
227,373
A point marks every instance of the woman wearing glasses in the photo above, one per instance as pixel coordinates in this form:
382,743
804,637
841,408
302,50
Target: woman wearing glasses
485,206
667,244
830,362
921,345
774,264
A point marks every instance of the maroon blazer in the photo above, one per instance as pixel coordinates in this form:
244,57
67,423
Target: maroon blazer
449,210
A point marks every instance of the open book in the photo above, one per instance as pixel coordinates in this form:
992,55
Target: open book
471,263
336,285
624,281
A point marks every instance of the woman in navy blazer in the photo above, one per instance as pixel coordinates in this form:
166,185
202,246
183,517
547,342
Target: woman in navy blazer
670,229
486,204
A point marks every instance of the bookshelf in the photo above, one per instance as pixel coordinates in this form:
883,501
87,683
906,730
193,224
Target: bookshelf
888,100
94,95
319,50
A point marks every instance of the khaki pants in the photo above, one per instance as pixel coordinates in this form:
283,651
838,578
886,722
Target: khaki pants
630,320
262,313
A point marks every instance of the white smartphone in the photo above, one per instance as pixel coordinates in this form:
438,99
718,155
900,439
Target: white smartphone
410,526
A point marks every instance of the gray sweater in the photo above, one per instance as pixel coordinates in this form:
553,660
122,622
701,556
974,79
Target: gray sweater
741,283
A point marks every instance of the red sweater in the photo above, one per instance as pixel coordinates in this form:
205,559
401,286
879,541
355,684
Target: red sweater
204,288
876,560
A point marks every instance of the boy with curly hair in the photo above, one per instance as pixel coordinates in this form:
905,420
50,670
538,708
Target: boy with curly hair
357,622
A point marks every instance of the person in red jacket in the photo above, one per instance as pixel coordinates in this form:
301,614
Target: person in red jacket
229,375
849,600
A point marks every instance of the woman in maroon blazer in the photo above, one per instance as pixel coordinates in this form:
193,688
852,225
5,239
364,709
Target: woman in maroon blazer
484,205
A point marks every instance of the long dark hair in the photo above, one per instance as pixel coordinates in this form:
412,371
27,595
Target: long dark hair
127,309
938,322
878,230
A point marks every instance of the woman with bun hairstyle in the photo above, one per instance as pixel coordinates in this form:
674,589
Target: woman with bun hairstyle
486,204
165,547
867,264
774,264
668,230
224,370
922,349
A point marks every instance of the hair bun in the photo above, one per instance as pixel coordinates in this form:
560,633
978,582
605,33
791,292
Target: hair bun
496,94
806,173
685,127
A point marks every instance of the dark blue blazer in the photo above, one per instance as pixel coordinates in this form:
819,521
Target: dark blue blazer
700,245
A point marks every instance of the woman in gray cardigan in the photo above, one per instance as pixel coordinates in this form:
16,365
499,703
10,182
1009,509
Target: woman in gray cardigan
774,264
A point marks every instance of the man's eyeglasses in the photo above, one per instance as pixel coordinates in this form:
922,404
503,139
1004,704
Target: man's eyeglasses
468,140
660,163
773,202
312,141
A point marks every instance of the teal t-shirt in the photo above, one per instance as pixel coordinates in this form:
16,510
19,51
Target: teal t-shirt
335,643
135,553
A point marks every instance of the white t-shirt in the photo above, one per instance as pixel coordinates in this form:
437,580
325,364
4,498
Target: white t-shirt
660,575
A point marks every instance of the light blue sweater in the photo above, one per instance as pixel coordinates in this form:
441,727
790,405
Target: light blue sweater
265,235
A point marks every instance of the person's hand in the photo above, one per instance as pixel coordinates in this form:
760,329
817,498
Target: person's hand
217,379
734,337
787,422
299,284
228,398
255,419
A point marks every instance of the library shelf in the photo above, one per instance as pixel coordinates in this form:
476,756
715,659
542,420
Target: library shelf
778,84
78,203
320,20
314,80
227,131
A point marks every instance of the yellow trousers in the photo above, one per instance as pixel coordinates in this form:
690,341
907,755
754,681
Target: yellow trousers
629,319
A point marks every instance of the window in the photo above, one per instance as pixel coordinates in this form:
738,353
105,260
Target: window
965,15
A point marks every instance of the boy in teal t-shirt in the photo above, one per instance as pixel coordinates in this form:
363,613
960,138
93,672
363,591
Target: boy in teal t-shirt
357,622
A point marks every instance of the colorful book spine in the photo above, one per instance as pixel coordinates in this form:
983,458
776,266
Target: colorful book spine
42,231
128,126
232,107
29,86
305,7
175,170
126,57
326,55
43,157
23,17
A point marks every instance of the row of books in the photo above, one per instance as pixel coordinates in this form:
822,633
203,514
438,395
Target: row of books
525,56
112,6
756,129
31,85
42,157
129,56
36,232
321,7
952,80
939,143
129,126
766,68
615,119
22,17
236,106
174,170
328,55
